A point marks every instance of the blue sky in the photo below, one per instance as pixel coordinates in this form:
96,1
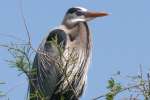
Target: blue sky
120,41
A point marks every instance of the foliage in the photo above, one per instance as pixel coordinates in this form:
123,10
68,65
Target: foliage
114,88
2,93
137,88
21,57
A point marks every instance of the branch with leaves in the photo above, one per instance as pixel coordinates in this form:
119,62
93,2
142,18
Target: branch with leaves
138,87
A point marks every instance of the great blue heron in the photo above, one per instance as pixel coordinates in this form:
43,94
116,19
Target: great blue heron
62,60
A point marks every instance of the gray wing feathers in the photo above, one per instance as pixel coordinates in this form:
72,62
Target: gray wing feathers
47,74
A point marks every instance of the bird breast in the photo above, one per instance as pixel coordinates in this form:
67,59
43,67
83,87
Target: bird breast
74,57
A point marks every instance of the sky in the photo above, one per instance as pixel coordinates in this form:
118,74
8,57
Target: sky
120,40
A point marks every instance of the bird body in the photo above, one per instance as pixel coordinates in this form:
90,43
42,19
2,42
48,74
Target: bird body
63,57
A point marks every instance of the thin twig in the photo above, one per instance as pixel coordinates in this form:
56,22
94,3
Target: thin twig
26,27
124,89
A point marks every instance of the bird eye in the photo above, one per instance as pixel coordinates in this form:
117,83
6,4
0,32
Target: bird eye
78,13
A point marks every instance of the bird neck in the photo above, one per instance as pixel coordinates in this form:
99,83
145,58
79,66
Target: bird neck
70,29
80,30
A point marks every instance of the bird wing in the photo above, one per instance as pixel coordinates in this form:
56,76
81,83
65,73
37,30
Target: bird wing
47,75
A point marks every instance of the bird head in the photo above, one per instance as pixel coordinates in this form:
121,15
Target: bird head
75,15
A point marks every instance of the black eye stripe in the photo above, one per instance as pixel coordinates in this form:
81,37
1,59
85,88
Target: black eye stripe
72,10
79,13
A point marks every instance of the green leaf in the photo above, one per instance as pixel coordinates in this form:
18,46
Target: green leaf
109,96
62,97
111,83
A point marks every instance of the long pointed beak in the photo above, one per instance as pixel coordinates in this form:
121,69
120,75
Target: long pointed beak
95,14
